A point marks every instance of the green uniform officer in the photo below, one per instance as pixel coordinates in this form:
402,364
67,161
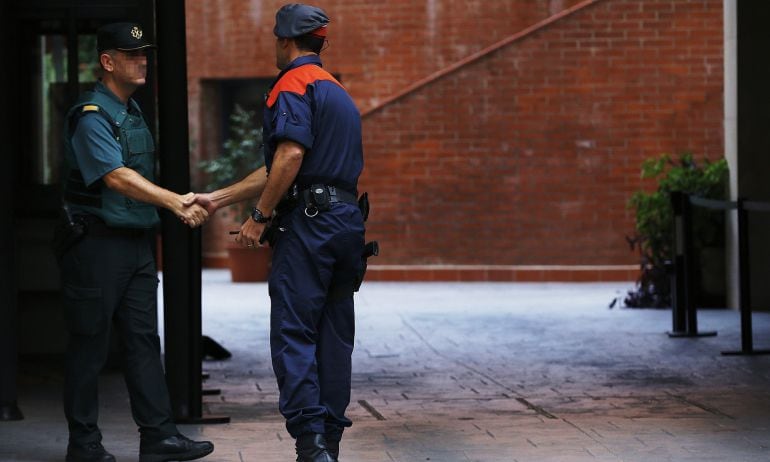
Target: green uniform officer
109,274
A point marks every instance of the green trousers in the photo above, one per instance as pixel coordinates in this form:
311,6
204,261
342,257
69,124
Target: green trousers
112,281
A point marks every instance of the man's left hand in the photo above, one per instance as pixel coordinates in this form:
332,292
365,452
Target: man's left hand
250,232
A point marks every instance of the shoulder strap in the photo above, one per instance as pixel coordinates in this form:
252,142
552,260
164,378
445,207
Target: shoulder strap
115,113
91,109
134,105
93,102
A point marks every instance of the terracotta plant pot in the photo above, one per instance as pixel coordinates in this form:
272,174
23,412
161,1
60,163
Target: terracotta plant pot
249,265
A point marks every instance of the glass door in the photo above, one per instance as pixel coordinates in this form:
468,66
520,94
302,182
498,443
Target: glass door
52,96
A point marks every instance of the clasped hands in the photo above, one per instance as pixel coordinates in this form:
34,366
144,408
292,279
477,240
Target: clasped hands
248,235
191,213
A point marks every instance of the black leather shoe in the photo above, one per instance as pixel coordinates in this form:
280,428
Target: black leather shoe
311,447
177,447
91,452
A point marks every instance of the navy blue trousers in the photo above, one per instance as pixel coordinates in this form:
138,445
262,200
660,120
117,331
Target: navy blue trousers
315,264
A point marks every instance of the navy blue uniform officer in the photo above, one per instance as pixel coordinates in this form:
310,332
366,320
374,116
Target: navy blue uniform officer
312,133
109,273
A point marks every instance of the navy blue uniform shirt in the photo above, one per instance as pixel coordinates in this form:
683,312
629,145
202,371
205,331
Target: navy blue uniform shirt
310,107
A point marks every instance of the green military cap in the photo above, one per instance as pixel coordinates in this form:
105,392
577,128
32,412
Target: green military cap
123,36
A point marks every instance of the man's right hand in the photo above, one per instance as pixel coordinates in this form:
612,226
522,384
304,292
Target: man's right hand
205,200
131,184
189,212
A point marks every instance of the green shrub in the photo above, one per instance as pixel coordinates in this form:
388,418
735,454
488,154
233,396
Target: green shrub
654,237
242,152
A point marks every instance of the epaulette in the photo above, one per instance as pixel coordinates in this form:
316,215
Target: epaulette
87,109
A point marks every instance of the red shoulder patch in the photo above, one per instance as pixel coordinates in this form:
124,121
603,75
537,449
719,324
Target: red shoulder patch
297,80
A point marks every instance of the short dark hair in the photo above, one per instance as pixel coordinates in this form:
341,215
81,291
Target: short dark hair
310,42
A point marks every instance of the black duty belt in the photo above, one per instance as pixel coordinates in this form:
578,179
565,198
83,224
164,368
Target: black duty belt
319,197
97,228
335,194
316,197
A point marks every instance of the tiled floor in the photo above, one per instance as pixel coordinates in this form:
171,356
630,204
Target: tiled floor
467,372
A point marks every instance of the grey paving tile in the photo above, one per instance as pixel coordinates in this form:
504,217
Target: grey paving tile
466,372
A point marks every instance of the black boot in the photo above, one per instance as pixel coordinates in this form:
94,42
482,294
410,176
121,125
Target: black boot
91,452
177,447
333,446
311,447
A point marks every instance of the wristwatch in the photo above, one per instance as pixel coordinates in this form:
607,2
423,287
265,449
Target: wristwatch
257,216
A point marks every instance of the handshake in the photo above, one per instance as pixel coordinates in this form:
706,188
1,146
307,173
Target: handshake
193,209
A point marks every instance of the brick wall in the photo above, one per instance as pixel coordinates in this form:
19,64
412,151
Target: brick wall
376,47
529,154
525,156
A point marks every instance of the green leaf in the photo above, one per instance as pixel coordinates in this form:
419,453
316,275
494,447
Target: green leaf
654,217
242,152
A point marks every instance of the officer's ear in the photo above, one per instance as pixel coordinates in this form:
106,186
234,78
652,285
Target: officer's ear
107,60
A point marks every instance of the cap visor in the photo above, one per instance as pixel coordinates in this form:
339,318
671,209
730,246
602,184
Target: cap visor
140,47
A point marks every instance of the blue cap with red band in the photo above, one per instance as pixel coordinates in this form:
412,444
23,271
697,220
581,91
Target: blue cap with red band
296,19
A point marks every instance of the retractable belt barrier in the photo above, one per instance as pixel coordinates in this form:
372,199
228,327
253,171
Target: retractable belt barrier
685,323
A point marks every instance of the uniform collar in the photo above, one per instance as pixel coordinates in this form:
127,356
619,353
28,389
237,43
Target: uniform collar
301,61
100,87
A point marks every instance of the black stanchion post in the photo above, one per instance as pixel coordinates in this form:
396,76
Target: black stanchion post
744,279
688,286
744,285
181,246
677,284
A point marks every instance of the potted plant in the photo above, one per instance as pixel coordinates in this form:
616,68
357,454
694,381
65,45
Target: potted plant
654,237
242,154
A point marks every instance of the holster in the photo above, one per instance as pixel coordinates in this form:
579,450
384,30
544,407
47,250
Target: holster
272,229
68,232
270,232
363,205
371,249
289,201
317,199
